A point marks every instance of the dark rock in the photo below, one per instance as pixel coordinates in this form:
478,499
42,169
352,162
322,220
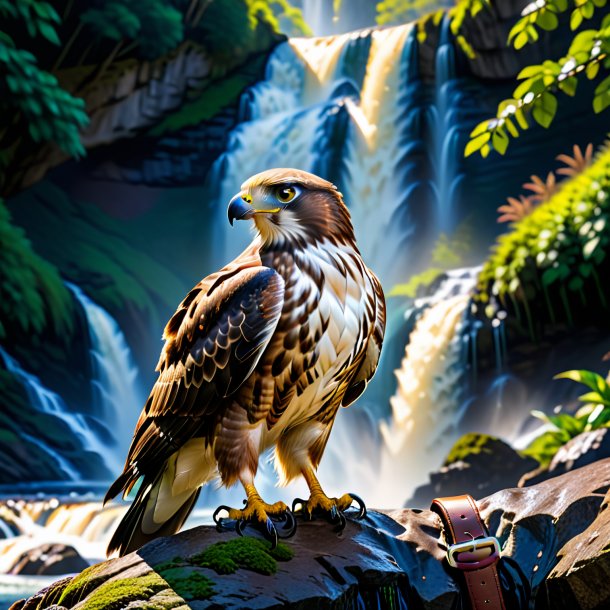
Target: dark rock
49,560
388,560
580,579
478,464
582,450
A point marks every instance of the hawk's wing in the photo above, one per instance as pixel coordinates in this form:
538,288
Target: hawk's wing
213,342
372,347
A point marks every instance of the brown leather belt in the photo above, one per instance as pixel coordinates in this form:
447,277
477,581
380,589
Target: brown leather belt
471,550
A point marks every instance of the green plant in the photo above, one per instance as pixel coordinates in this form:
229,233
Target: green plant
554,259
49,111
32,294
594,414
448,253
535,98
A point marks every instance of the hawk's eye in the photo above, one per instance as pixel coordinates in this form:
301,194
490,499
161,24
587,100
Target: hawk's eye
285,194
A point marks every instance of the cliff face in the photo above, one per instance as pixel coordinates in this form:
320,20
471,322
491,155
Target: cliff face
554,538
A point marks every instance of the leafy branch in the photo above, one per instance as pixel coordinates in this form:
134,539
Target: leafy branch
535,98
51,113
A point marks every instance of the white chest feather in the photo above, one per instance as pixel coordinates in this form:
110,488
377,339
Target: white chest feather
338,319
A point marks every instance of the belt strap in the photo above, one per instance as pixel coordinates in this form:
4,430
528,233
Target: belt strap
471,550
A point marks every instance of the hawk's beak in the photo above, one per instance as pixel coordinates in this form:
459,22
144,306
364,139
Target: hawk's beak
240,208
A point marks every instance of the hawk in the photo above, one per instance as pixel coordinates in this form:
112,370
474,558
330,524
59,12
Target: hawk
259,354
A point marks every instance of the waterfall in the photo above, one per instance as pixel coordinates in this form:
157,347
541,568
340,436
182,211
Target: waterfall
287,120
48,402
117,399
374,185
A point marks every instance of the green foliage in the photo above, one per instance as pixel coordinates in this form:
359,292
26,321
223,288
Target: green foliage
40,17
99,254
32,294
535,100
596,407
416,283
155,26
247,553
552,259
391,12
402,11
279,14
593,415
51,113
448,253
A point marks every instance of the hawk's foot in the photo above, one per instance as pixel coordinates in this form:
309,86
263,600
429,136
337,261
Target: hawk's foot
259,514
319,504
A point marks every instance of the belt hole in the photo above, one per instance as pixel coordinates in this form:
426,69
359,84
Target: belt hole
487,601
462,516
482,583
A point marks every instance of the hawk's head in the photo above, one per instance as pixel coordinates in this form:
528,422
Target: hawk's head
292,206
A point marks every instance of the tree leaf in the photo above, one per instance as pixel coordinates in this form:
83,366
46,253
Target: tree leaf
547,20
544,109
568,85
476,144
499,140
575,19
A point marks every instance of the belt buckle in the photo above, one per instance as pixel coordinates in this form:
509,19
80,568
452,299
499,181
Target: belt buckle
471,546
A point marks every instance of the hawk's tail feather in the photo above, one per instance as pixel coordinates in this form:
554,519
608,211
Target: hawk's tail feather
130,535
118,486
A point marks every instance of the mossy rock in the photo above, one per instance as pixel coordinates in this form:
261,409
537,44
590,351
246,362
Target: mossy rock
247,553
117,594
472,444
188,583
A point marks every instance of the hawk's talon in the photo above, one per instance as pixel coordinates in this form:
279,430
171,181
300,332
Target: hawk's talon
291,525
261,515
298,502
240,524
342,522
333,508
361,505
221,526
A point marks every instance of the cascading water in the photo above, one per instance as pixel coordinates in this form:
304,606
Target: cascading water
117,398
115,407
288,119
43,400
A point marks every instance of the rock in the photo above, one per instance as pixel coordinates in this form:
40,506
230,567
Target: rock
582,450
478,464
388,560
581,577
49,560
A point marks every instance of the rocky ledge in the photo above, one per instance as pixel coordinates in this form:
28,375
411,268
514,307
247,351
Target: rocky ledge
555,538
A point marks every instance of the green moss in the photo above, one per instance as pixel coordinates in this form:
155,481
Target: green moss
188,584
470,444
215,97
117,594
80,586
416,283
247,553
552,263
